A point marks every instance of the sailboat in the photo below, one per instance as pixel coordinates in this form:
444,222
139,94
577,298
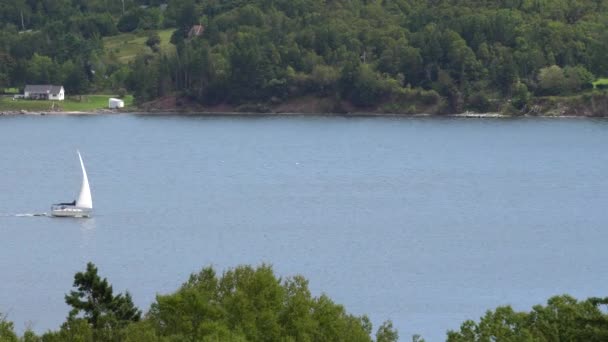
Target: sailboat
83,206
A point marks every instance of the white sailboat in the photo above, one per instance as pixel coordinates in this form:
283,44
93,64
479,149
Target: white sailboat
83,206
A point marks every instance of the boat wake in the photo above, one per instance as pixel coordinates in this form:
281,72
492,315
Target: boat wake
25,215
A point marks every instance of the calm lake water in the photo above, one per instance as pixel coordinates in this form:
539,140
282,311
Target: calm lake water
427,222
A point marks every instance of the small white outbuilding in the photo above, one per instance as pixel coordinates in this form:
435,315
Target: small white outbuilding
115,103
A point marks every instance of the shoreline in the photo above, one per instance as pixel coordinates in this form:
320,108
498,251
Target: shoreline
588,105
467,115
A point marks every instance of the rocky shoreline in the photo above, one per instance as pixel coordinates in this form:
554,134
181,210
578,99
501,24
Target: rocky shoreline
594,105
468,115
26,112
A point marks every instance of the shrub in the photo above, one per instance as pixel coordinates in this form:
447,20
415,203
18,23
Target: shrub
551,80
521,95
509,109
479,102
122,92
128,22
153,40
578,77
429,97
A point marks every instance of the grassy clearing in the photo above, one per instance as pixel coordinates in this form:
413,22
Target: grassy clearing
8,104
9,90
84,103
91,102
602,81
125,47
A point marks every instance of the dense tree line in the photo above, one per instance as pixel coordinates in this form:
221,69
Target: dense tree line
450,54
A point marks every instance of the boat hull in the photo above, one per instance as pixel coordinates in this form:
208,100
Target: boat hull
70,211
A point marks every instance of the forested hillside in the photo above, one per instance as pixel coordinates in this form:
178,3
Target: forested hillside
400,55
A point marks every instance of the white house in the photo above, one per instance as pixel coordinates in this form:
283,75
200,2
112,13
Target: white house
115,103
44,92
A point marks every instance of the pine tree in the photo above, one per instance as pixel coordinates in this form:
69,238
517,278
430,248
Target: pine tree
94,298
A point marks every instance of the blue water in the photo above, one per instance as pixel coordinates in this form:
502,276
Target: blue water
427,222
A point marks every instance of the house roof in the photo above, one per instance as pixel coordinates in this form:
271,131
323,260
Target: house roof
43,89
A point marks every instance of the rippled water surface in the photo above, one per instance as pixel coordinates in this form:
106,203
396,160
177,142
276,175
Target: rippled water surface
427,222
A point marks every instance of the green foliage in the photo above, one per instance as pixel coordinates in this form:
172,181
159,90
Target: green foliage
143,78
429,97
324,79
42,70
242,304
562,319
94,298
479,103
364,52
121,93
551,80
30,336
554,80
367,87
521,95
129,22
578,77
150,19
123,48
76,330
600,82
7,334
386,333
75,79
417,338
88,103
153,40
254,305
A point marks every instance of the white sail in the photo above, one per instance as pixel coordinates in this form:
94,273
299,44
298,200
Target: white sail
84,198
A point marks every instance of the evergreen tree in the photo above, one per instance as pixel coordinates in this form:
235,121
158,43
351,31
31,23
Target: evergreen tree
94,298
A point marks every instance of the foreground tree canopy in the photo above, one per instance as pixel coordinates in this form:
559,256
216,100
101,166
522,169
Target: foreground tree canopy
253,304
243,304
562,319
442,53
